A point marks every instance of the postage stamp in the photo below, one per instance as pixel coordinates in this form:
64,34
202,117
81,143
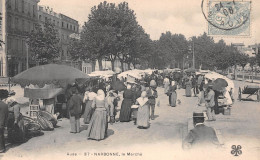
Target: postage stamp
229,18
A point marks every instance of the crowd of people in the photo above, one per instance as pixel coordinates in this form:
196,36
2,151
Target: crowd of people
98,104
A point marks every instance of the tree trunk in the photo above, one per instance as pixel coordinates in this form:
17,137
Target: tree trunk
113,65
129,64
243,74
122,66
100,64
93,65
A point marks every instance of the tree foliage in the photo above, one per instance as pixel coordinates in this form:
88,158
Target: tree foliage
112,32
44,43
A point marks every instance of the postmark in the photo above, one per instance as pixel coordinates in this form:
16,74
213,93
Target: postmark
229,18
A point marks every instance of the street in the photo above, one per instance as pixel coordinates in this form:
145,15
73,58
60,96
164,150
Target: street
164,137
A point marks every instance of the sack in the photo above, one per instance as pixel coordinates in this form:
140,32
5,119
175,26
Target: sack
44,123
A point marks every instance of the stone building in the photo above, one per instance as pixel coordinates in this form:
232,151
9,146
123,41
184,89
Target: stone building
21,18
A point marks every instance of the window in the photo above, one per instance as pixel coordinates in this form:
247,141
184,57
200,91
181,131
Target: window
29,26
23,6
40,17
54,22
46,19
16,4
29,9
71,27
16,23
9,22
74,28
62,24
23,28
34,15
67,25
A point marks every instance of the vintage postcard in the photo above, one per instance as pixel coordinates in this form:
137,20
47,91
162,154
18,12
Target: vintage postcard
129,79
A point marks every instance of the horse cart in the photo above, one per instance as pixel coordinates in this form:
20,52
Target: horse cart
251,92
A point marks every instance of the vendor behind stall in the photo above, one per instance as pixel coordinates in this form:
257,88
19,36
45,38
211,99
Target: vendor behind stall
15,123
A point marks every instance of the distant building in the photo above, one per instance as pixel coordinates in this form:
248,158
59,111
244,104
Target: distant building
66,27
243,49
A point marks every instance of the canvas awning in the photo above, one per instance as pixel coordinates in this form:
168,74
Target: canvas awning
42,93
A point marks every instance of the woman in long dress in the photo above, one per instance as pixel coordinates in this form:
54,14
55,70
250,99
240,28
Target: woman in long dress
173,94
137,93
88,100
188,88
143,111
125,112
166,83
97,128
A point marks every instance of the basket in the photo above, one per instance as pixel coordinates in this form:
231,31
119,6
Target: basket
227,111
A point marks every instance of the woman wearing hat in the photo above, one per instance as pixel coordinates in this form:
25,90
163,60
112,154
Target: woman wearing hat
125,112
97,128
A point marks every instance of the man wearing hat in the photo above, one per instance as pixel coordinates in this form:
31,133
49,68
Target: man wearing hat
210,103
152,95
201,135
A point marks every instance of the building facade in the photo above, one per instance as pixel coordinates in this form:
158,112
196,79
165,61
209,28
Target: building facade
21,18
66,27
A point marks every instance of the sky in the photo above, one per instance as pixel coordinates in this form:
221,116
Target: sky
158,16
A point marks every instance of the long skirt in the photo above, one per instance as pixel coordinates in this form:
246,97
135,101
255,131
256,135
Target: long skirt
143,116
188,91
88,112
166,88
173,98
201,97
97,128
125,112
134,112
2,140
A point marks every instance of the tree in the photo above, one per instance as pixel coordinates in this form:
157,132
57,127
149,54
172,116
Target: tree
44,43
252,63
243,60
172,47
112,32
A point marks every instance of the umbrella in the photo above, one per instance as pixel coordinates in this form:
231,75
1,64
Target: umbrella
220,84
59,75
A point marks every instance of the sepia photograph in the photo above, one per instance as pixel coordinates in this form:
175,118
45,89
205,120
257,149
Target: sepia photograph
129,79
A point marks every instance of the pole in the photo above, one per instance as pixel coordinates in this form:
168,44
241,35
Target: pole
4,46
193,56
27,55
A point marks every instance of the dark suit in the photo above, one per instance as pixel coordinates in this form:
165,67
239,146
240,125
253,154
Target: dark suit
152,94
3,120
74,105
201,135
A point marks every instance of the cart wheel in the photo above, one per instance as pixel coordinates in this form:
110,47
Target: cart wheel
239,94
